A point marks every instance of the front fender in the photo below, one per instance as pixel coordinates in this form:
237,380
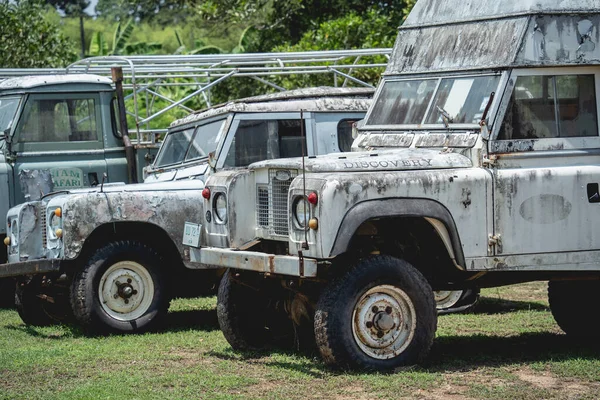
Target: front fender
398,207
168,209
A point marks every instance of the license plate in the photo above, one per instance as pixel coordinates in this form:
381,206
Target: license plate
191,234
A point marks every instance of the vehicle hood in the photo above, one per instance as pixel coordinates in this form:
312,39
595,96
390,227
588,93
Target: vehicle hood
388,160
188,184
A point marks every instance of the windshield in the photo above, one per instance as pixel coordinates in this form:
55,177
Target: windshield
189,144
8,109
458,100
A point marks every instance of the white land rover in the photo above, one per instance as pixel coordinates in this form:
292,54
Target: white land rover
482,168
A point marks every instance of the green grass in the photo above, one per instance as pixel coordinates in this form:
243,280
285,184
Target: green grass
509,347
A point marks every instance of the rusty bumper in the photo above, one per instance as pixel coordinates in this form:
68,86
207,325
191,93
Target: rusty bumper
33,267
255,261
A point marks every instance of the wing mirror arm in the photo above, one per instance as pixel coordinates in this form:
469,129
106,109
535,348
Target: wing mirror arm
8,139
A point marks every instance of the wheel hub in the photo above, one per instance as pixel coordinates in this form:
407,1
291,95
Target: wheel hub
126,290
384,322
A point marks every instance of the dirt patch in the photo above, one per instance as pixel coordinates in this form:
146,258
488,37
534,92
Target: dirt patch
541,380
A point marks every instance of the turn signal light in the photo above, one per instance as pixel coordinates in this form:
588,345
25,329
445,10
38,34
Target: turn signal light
313,198
7,241
206,193
58,233
58,212
313,224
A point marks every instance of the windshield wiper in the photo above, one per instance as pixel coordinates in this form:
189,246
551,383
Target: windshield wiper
446,118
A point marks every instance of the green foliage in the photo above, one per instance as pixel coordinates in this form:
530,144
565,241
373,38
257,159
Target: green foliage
289,20
160,11
28,40
120,43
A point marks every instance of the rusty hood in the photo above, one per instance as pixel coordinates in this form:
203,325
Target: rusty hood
187,184
390,160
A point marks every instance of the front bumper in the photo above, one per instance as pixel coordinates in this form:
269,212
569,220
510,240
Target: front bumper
33,267
255,261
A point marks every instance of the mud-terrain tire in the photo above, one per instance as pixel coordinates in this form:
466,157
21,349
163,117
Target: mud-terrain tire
31,308
573,306
375,297
456,301
7,293
121,289
242,312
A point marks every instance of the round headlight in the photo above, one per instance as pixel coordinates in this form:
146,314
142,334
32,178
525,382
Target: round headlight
54,222
220,206
302,212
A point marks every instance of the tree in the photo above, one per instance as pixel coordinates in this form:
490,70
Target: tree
159,11
289,20
73,8
28,40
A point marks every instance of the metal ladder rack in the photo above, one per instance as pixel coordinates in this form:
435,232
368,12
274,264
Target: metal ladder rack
145,76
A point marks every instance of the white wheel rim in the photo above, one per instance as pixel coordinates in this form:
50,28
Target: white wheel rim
446,298
126,291
384,322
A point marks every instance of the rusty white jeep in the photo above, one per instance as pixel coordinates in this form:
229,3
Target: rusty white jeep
480,167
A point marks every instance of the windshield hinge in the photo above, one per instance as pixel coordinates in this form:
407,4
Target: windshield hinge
494,244
489,160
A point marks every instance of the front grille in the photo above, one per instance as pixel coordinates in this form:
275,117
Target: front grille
263,206
43,226
272,202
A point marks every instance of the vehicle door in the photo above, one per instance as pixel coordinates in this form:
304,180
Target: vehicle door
257,137
333,131
58,144
547,171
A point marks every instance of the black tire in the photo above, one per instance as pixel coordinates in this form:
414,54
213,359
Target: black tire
7,293
251,312
334,319
31,308
142,292
241,311
573,306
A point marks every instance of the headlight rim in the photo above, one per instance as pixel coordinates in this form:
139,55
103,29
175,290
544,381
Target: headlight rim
301,223
218,217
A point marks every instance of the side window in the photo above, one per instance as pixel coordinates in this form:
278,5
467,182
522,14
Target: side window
114,117
344,134
551,107
58,120
258,140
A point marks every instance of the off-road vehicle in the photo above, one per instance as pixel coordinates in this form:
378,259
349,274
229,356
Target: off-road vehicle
480,167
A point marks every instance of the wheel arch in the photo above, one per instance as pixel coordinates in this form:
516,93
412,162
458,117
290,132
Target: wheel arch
436,215
147,233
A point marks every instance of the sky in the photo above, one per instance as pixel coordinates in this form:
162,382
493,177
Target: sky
91,8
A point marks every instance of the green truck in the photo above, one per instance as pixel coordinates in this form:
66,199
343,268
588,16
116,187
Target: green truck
60,132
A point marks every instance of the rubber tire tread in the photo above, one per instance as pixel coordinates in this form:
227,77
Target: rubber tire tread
333,317
573,306
30,307
239,312
84,290
7,293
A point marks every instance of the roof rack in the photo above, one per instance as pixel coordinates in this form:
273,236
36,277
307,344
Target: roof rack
146,77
